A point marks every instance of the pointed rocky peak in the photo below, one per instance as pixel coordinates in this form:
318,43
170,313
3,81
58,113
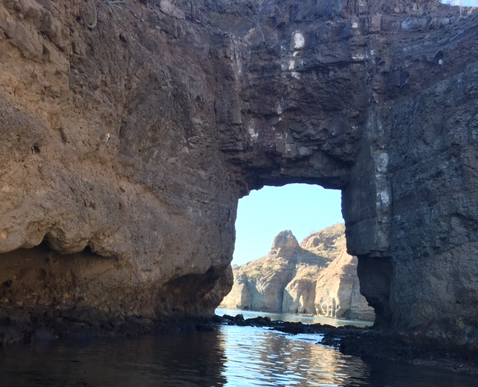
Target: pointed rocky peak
284,241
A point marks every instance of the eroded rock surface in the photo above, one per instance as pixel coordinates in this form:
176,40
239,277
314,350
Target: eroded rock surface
337,292
129,131
264,284
110,170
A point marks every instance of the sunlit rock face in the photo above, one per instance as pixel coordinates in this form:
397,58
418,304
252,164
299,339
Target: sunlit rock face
281,281
317,277
129,133
337,291
114,192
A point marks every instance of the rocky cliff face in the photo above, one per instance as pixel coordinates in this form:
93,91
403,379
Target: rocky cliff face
129,131
261,284
315,277
337,291
109,160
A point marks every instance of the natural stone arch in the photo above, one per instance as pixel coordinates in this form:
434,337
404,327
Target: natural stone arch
159,135
404,71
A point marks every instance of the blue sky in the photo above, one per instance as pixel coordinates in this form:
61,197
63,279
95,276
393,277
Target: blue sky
464,3
300,208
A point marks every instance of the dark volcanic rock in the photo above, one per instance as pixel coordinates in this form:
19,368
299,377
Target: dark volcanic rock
129,134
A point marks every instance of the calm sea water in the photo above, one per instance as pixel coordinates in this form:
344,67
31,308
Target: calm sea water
232,356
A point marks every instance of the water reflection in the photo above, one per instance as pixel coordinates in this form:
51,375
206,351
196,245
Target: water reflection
181,359
268,358
232,356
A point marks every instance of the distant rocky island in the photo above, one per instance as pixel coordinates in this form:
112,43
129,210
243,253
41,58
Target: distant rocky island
315,277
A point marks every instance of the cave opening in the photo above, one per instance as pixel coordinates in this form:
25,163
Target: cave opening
263,214
290,255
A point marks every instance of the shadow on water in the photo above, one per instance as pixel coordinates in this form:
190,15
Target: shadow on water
231,356
178,359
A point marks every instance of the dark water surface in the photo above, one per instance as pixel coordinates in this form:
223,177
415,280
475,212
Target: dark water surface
232,356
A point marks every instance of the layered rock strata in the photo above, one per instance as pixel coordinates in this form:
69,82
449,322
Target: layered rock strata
129,131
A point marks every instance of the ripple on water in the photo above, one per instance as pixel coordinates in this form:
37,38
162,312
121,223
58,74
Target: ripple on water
268,358
233,356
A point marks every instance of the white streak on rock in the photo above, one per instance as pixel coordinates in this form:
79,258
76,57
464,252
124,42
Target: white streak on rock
298,40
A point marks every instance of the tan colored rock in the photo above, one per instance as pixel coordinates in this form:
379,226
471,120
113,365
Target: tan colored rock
294,279
328,243
299,294
337,288
239,297
104,182
261,284
337,291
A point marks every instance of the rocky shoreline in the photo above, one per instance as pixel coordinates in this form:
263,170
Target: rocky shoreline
316,277
88,323
367,343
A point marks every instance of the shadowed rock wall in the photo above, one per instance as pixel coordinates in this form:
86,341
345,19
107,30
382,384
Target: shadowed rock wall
129,133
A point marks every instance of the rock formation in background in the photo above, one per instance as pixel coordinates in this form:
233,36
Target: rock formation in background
317,277
337,291
129,130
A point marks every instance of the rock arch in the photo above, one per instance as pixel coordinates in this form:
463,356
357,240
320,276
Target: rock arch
147,132
380,104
